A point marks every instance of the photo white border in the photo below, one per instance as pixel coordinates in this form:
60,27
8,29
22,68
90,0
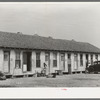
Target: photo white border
61,92
39,93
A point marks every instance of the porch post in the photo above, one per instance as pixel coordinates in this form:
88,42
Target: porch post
66,62
51,62
33,61
99,57
21,58
94,58
12,61
72,62
1,60
42,58
78,60
58,61
84,61
89,57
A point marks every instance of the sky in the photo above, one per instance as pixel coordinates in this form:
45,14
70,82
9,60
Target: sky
70,20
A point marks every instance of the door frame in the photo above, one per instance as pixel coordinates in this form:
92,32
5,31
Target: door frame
87,59
76,61
62,67
48,61
69,63
8,51
26,52
69,69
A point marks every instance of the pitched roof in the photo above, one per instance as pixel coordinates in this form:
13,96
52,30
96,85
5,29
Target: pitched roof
16,40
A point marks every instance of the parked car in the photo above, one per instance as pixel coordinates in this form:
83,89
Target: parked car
95,68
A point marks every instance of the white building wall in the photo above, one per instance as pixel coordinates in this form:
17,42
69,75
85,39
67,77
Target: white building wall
58,60
82,67
42,57
94,58
89,58
79,67
12,61
19,71
33,61
72,62
21,58
84,61
38,69
99,57
1,59
51,62
78,61
66,62
58,63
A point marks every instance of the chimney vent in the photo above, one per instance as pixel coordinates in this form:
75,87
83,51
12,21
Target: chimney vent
19,33
50,37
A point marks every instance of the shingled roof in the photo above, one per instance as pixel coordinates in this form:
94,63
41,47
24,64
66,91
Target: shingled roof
15,40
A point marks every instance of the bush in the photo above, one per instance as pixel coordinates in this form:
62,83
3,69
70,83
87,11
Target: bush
2,76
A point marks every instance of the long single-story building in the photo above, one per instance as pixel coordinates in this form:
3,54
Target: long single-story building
20,54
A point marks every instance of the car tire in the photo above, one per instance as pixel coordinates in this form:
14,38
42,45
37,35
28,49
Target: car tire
91,70
96,72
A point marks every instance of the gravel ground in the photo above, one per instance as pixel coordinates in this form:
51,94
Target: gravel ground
74,80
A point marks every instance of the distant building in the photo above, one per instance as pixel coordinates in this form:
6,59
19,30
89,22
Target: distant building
20,54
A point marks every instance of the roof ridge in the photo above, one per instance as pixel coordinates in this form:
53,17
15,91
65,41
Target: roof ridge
42,36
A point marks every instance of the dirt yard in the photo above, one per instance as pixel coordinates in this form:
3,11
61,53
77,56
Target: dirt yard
74,80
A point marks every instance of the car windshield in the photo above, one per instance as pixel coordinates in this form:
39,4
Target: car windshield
96,62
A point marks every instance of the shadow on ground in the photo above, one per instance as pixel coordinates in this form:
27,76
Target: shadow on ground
6,86
84,79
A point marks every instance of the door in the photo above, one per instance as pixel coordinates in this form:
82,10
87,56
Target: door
29,61
47,60
69,64
62,61
69,69
26,61
87,60
75,61
6,67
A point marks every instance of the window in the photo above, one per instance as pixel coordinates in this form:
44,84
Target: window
96,57
47,56
81,60
86,57
91,59
62,62
6,56
54,59
69,58
75,61
17,61
87,60
75,57
62,57
38,59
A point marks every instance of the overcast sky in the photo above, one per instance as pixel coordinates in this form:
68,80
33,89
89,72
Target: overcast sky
78,21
